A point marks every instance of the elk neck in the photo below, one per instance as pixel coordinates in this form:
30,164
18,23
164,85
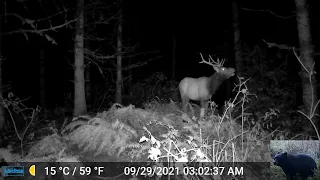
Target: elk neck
214,82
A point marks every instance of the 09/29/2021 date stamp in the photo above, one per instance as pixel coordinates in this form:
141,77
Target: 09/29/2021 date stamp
188,170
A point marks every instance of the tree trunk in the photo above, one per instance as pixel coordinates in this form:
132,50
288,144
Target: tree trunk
2,110
119,56
309,90
173,68
80,106
129,63
42,80
130,75
236,35
88,84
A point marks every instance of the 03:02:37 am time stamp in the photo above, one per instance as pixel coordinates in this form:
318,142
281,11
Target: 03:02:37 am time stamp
159,171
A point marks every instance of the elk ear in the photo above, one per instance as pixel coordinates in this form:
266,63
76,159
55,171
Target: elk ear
216,69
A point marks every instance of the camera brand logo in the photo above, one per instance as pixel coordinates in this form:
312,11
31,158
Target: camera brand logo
13,170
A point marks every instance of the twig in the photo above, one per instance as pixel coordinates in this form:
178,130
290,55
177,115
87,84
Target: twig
40,31
285,47
269,11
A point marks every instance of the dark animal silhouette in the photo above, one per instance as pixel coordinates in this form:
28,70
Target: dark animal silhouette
201,89
292,164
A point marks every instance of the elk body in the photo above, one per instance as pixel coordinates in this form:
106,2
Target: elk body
201,89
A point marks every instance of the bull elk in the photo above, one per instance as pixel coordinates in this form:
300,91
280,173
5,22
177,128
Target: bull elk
202,88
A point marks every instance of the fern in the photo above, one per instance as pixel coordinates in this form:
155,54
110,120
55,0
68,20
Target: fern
9,156
47,149
100,136
73,125
129,146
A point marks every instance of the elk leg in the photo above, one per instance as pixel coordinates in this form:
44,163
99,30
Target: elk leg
185,101
204,108
206,103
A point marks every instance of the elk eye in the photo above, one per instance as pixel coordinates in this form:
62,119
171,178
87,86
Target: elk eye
222,69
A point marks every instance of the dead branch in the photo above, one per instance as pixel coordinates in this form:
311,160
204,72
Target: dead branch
269,11
285,47
125,68
141,53
33,25
96,9
280,46
52,16
91,37
40,31
95,55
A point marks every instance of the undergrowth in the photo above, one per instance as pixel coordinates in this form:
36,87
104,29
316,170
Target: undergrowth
157,85
159,136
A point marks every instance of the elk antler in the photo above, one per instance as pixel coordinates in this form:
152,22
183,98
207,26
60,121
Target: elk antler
211,62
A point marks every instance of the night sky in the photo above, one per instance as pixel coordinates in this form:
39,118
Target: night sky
201,26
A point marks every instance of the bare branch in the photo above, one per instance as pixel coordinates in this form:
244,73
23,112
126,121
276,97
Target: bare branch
269,11
37,26
286,47
50,17
102,20
97,56
96,9
40,31
23,21
138,54
280,46
139,64
310,72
